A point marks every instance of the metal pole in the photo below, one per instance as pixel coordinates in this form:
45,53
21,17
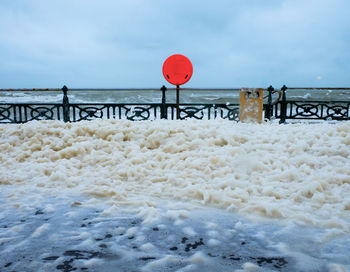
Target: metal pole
283,105
269,103
163,110
177,102
65,104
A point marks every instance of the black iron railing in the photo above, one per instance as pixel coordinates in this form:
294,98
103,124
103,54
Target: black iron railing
276,106
311,109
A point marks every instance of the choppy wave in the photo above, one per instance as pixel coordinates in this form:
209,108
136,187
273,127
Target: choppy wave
154,96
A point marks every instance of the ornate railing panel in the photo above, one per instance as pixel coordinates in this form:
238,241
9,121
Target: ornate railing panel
205,111
133,112
139,112
21,113
6,114
314,110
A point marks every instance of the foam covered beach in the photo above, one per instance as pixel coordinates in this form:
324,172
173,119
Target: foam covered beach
298,172
295,173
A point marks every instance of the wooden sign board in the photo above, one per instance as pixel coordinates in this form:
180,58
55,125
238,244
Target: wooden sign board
251,105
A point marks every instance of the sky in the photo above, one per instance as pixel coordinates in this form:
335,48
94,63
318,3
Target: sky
124,43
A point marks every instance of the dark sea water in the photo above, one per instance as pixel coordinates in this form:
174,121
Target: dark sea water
215,96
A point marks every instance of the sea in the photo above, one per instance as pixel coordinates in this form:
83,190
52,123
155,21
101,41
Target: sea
154,95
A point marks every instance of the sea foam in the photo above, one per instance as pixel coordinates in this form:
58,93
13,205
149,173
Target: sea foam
298,172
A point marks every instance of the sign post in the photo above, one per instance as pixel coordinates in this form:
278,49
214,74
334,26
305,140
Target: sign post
177,70
177,101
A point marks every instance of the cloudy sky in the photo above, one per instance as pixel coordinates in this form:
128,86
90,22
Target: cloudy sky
123,43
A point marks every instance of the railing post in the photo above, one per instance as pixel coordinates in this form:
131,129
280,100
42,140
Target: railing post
163,110
177,102
269,103
283,105
65,104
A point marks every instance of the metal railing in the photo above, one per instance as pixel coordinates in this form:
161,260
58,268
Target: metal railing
311,109
276,106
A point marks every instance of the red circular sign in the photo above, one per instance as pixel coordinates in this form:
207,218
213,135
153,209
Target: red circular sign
177,69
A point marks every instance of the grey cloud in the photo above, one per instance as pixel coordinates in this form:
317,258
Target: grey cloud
124,43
